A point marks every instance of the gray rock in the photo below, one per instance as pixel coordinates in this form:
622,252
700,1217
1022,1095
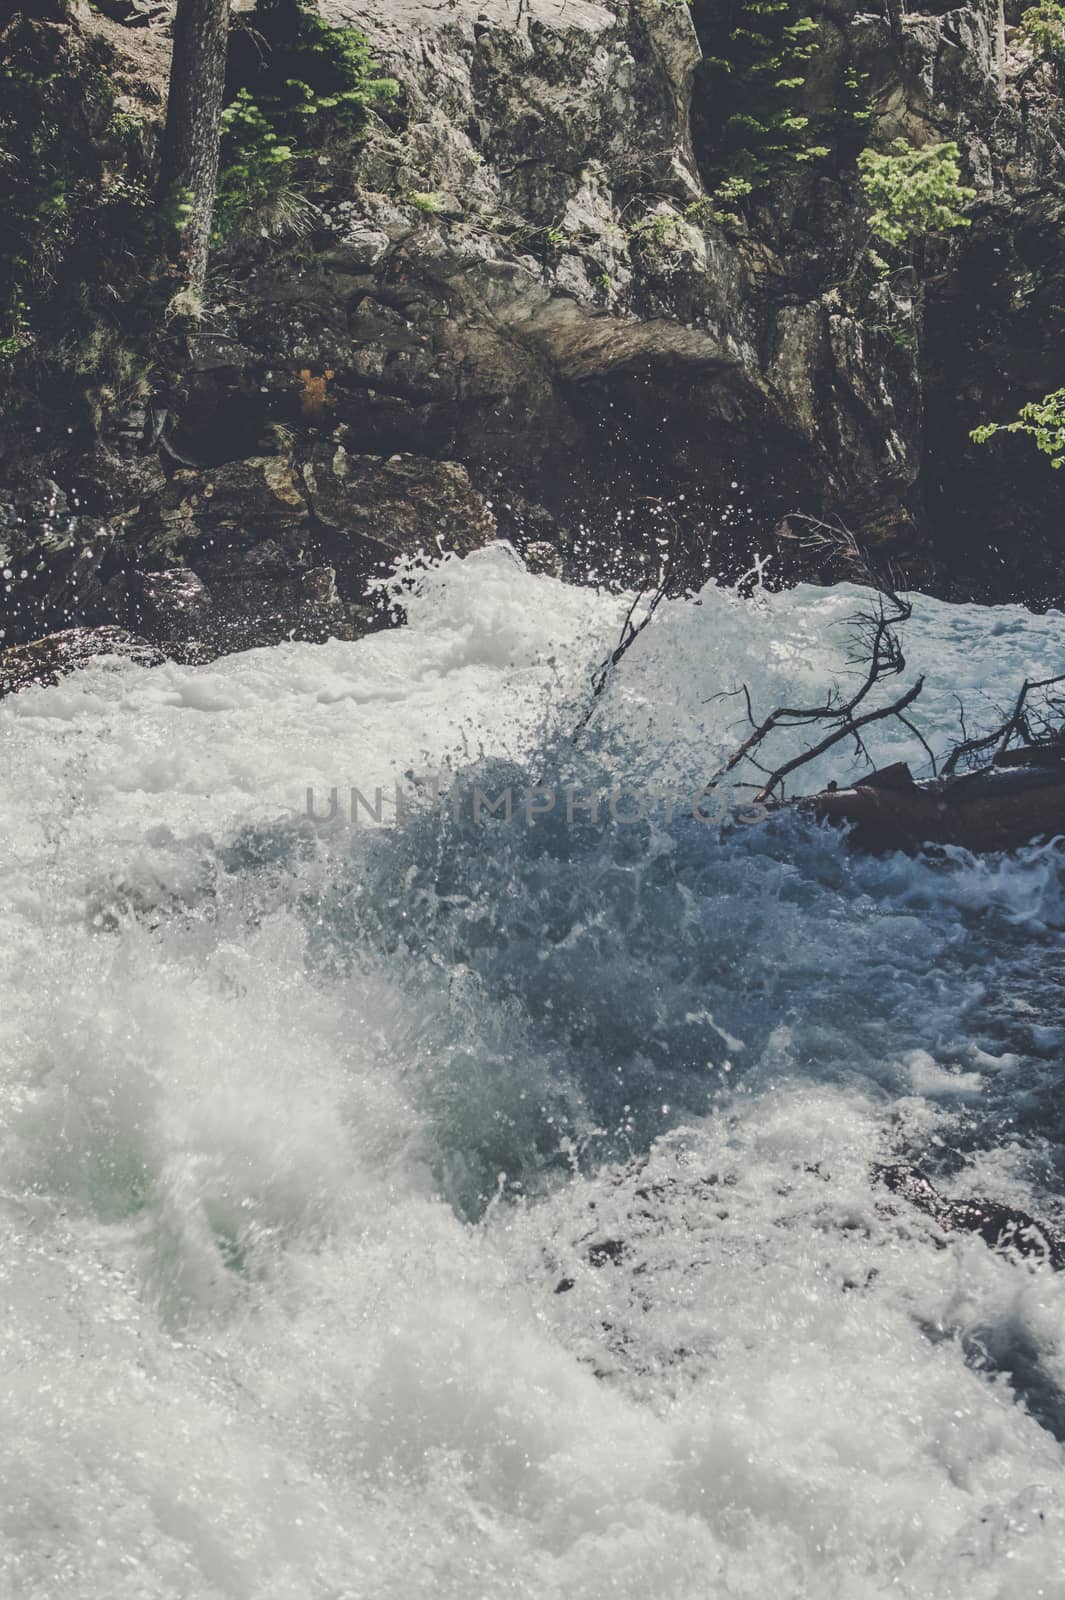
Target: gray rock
264,596
106,481
396,505
239,503
45,661
541,557
515,287
360,245
171,605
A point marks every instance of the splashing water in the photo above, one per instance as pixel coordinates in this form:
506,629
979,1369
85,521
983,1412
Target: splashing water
470,1208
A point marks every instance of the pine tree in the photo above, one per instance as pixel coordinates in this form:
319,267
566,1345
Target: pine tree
193,128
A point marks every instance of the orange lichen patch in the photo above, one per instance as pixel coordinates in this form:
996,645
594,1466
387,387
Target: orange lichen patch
313,397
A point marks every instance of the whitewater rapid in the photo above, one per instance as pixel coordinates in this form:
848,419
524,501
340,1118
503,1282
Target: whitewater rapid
463,1208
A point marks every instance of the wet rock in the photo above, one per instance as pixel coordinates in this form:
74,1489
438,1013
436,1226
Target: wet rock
45,661
106,481
999,1225
246,553
541,557
56,566
235,505
37,499
604,1251
376,508
263,596
174,604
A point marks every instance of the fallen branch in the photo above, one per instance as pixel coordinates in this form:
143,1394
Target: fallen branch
836,539
1018,725
884,658
849,728
631,631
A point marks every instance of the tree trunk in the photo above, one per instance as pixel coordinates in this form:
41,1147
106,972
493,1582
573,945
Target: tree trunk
895,12
193,126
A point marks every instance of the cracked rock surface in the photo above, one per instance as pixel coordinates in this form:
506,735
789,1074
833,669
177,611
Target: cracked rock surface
511,313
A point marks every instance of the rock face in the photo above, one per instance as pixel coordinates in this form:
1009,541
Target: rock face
512,310
566,318
285,550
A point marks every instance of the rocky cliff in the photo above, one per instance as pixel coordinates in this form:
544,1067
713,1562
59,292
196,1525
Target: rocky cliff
512,307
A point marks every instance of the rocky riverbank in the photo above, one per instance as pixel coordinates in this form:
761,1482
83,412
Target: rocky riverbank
513,308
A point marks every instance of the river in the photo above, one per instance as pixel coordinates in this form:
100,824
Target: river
475,1207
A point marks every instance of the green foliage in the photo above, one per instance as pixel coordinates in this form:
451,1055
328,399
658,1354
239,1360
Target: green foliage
751,104
545,243
662,241
429,201
655,230
113,370
1043,26
313,72
43,185
254,177
84,285
880,268
903,338
913,192
719,206
852,110
1042,420
295,83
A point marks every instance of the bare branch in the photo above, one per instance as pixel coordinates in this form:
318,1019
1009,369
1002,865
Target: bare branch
877,715
919,736
883,655
877,649
630,632
629,635
1018,725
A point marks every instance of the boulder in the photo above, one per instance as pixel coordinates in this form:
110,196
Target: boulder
172,605
105,481
1000,1226
375,508
45,661
232,506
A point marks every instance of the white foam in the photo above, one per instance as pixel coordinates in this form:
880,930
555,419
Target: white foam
267,1334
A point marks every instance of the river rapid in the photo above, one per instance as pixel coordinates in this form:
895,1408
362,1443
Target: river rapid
476,1207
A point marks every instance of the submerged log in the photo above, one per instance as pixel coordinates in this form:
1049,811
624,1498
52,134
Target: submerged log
1000,807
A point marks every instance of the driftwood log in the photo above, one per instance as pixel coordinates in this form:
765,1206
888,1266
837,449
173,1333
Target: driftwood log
1016,801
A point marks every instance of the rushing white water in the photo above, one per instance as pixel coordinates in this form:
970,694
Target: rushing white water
473,1209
